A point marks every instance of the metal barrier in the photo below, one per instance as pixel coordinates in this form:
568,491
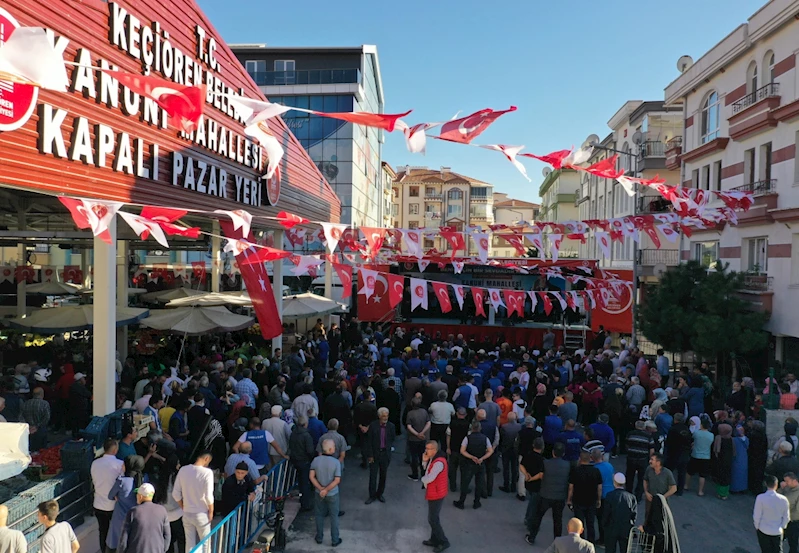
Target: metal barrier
240,527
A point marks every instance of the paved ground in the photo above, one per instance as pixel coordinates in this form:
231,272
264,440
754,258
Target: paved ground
399,526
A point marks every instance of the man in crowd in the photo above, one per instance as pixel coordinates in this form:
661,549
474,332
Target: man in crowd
301,453
377,444
785,463
242,456
475,449
441,412
338,440
678,450
619,509
658,480
456,432
585,493
532,468
104,473
640,447
434,481
58,537
572,543
554,492
11,541
488,427
280,431
790,489
261,442
36,412
508,448
194,493
146,528
418,427
325,476
771,516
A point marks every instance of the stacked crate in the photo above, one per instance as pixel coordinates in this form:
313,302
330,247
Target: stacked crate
142,424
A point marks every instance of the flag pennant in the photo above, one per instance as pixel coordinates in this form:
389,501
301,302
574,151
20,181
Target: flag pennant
253,111
455,240
304,263
736,200
374,239
145,227
481,241
274,151
441,291
478,295
515,240
413,242
588,298
667,230
415,138
571,300
546,301
27,57
578,156
368,278
603,241
344,273
605,168
510,153
294,237
533,298
289,220
514,301
466,129
262,254
495,299
242,220
384,121
162,214
198,270
558,296
333,233
90,214
25,273
73,274
418,293
555,159
555,241
396,289
537,242
183,104
460,294
457,267
423,263
49,274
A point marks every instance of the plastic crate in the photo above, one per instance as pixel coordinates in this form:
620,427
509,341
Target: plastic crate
44,491
97,430
117,420
34,533
77,456
18,508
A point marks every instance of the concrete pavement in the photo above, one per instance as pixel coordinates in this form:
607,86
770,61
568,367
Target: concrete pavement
398,526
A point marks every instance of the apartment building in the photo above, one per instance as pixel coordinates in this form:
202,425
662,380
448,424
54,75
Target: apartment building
508,211
388,175
558,193
740,105
433,198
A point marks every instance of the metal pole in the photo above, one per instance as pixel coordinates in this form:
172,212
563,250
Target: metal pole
635,260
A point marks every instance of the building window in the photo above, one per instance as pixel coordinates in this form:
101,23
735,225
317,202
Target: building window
413,225
455,194
768,68
454,211
478,210
695,178
710,118
429,191
625,158
286,67
717,175
749,166
255,66
707,254
395,209
751,78
706,177
480,192
757,255
413,192
765,162
413,209
796,159
428,243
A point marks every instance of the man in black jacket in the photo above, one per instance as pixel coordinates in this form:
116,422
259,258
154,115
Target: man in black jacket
618,515
678,449
475,449
377,445
301,453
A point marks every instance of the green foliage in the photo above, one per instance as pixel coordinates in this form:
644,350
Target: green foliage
693,309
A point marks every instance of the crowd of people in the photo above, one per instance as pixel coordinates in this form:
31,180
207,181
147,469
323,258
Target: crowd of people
542,422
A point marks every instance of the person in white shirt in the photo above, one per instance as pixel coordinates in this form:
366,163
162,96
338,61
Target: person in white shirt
280,431
11,541
59,537
415,343
475,393
194,493
771,517
105,472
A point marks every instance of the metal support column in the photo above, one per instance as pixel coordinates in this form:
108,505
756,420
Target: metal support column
105,316
277,286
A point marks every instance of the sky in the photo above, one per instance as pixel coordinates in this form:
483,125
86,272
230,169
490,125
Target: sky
568,66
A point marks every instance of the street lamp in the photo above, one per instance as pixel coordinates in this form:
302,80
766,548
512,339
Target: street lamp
595,144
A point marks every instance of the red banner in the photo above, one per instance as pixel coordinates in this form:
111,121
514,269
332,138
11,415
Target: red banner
616,314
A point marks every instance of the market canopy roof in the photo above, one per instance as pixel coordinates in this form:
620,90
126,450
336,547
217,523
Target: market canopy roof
309,305
71,318
165,296
53,289
195,321
213,298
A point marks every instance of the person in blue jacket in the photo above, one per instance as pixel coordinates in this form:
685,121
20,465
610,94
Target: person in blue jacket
604,433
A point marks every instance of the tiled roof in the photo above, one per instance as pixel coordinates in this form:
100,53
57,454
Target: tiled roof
432,175
515,203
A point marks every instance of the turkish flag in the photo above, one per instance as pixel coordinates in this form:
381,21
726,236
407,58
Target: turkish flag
92,214
455,240
73,274
198,270
547,302
571,300
466,129
261,254
368,278
478,294
332,234
289,220
605,168
515,240
257,282
559,296
183,104
177,230
344,273
374,239
162,214
555,159
24,273
396,287
588,299
442,293
514,301
377,120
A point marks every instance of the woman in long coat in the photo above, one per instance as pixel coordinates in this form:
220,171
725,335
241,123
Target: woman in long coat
740,461
758,455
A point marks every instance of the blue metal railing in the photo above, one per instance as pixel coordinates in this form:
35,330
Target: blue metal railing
240,527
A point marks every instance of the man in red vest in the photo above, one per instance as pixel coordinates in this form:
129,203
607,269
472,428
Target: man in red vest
436,483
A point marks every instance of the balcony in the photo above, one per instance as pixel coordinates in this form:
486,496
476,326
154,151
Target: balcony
673,152
653,204
755,112
765,193
652,155
478,198
771,89
433,197
310,76
757,291
652,257
758,283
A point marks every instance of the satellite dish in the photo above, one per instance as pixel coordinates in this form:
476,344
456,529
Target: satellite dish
638,138
546,171
659,269
590,141
684,63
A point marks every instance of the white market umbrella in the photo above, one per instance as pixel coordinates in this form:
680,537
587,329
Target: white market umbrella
131,291
165,296
53,289
71,318
195,321
309,304
212,299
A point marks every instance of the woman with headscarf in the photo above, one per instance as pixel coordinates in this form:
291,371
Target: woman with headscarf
789,435
723,453
740,461
694,424
660,398
124,492
592,394
660,524
695,397
758,455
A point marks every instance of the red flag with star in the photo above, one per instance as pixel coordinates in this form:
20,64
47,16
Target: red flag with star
442,294
396,288
478,294
258,285
344,273
546,301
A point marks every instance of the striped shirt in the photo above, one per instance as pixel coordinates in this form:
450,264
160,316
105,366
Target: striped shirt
36,412
247,387
639,443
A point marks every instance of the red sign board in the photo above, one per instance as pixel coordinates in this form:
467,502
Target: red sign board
617,315
17,101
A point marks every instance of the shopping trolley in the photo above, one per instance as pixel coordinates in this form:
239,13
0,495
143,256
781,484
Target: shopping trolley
641,542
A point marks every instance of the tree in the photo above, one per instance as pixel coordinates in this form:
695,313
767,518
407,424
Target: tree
693,309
